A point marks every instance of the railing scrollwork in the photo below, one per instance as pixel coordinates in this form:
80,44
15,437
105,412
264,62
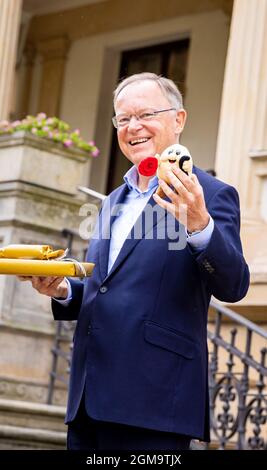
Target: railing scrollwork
238,400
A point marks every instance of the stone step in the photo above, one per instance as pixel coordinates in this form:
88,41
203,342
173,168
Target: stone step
25,425
20,438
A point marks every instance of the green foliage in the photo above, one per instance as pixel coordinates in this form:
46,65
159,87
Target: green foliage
51,128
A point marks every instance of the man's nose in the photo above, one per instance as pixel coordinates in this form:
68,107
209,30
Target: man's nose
134,123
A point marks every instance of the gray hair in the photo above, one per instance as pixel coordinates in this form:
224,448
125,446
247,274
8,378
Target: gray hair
167,86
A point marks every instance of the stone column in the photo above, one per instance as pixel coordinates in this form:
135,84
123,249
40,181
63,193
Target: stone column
53,52
26,81
243,121
241,157
10,14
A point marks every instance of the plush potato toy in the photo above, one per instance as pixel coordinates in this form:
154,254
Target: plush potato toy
176,154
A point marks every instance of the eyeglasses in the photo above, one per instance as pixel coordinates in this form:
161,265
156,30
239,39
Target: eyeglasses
123,120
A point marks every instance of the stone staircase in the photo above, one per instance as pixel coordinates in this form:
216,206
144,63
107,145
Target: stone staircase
25,425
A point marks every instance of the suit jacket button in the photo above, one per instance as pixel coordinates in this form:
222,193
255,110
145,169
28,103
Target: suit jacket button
103,289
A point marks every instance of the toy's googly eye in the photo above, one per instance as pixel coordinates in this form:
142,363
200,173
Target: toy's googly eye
178,152
169,152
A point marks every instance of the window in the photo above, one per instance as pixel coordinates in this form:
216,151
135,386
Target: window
168,59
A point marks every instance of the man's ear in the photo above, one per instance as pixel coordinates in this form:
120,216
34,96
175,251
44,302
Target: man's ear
180,121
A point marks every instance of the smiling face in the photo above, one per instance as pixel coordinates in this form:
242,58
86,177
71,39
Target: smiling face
141,139
177,155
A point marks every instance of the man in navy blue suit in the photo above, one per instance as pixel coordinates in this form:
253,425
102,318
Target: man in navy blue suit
139,375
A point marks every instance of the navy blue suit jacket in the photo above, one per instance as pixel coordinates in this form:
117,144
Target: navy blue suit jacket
140,345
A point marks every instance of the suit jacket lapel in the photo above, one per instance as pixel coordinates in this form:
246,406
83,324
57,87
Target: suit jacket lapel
148,218
107,218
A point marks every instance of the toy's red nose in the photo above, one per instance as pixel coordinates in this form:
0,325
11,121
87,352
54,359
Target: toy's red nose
148,166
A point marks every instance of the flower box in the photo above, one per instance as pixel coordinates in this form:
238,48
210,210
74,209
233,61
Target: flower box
36,160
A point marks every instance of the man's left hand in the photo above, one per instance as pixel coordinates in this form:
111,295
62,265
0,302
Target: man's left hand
187,191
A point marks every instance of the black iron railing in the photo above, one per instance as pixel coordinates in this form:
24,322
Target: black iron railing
62,352
237,381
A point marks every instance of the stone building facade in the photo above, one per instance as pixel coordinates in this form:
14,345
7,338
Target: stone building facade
64,57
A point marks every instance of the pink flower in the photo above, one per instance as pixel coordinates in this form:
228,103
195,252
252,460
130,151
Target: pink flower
41,116
91,142
95,153
34,130
46,128
67,143
15,123
77,131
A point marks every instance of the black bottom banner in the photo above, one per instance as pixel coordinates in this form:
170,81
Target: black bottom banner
74,459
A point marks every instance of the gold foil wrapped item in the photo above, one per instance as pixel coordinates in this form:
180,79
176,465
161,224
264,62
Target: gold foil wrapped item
23,267
30,252
40,260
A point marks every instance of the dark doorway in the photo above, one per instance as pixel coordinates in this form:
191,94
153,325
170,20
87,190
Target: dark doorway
169,60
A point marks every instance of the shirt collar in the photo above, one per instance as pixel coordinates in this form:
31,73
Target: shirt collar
131,178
